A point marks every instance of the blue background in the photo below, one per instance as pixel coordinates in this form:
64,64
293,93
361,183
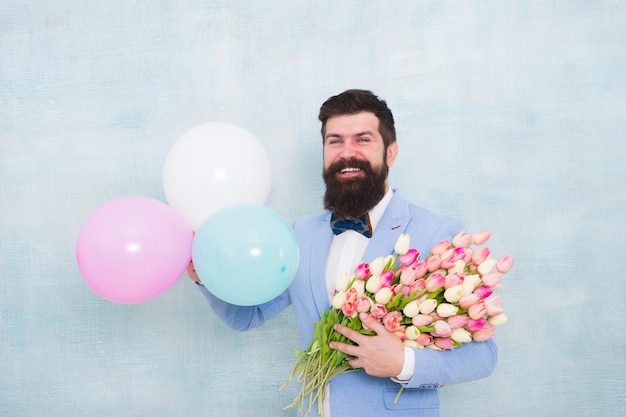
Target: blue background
511,117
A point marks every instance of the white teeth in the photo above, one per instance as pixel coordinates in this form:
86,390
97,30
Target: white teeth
350,170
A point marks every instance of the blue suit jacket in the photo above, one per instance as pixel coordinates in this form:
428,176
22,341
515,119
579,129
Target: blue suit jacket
356,393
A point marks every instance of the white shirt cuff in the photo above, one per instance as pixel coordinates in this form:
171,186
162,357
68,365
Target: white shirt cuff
407,368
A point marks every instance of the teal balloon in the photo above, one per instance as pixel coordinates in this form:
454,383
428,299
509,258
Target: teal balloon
245,254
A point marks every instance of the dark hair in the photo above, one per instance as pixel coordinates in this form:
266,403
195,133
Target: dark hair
357,101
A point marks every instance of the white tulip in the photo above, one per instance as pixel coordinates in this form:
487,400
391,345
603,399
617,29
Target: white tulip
412,332
487,266
359,285
373,283
498,319
428,306
342,282
383,296
453,294
412,309
447,310
402,244
339,299
377,265
461,336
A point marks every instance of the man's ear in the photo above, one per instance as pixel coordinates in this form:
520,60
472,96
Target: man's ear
392,152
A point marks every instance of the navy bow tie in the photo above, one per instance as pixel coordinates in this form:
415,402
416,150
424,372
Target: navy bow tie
361,224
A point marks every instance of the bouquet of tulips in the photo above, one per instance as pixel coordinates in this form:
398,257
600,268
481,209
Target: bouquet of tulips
439,302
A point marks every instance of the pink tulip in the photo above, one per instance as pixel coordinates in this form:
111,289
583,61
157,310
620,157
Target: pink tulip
468,300
459,254
413,272
409,257
391,321
420,269
477,311
469,252
400,333
481,238
458,321
407,275
399,289
363,304
492,303
448,259
444,343
440,247
492,278
452,280
483,292
348,308
462,239
485,333
505,264
433,263
442,329
424,339
378,311
362,271
474,325
480,255
418,285
421,320
351,294
385,278
434,282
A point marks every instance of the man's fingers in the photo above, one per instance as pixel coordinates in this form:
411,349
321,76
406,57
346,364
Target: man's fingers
371,323
350,350
348,332
191,271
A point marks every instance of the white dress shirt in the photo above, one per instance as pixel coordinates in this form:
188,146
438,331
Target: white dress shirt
346,252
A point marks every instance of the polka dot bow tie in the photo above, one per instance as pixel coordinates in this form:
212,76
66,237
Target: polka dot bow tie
361,224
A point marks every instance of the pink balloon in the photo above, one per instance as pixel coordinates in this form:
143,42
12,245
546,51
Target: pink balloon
133,249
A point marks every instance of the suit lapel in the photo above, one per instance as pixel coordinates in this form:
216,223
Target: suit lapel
392,224
319,256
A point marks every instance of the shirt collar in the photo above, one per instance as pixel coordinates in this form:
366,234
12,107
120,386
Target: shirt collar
376,213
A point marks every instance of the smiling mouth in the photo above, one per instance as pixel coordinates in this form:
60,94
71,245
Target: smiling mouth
350,170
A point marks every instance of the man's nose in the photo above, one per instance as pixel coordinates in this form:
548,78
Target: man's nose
347,150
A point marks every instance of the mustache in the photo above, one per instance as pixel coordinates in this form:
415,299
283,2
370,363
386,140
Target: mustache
349,163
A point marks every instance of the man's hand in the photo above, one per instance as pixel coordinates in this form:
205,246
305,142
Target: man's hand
191,271
381,355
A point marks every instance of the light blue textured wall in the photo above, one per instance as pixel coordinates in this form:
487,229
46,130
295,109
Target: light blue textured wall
511,116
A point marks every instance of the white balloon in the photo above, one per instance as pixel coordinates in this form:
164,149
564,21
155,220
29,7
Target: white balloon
212,166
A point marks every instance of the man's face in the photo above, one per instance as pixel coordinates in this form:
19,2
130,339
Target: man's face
355,163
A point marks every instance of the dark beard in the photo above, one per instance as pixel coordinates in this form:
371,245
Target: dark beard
354,197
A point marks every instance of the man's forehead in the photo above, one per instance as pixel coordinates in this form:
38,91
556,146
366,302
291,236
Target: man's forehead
358,123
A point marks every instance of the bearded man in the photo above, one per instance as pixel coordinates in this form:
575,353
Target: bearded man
362,221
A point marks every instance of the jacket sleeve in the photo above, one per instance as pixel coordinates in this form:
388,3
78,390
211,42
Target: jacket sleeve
434,369
242,318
